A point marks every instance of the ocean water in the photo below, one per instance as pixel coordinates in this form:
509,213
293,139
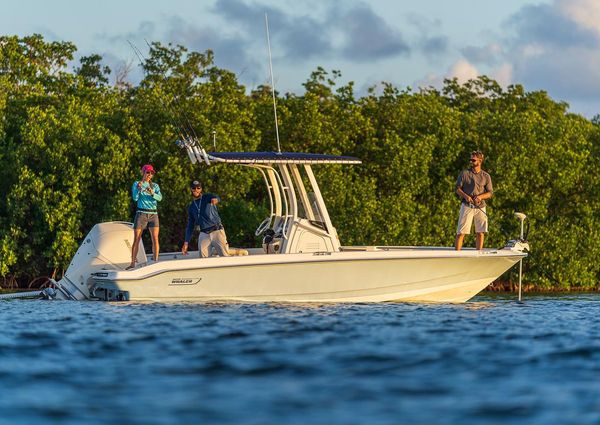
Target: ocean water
489,361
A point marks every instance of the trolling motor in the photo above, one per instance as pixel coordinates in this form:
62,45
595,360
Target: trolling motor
521,243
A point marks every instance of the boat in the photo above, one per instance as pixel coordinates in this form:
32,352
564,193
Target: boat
301,259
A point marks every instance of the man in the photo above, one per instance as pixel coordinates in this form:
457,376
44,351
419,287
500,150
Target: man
473,186
203,212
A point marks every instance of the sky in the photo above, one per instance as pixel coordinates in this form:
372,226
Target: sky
551,45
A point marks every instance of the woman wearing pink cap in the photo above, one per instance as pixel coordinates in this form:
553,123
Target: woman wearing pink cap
146,194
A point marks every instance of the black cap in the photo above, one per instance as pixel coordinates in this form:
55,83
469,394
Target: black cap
196,183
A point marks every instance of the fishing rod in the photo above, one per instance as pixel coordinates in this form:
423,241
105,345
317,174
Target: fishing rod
474,205
189,142
180,129
182,110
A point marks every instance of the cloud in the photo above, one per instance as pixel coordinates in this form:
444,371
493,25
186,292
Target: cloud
367,35
556,47
463,71
347,34
503,74
353,32
570,74
434,45
490,54
550,25
550,46
584,13
232,51
429,43
301,37
248,15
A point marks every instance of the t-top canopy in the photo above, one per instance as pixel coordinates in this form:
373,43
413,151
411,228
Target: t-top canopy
280,158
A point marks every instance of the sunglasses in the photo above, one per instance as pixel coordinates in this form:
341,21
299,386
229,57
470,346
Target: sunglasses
196,188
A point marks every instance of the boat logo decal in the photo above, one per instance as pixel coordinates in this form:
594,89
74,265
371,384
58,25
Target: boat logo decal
184,281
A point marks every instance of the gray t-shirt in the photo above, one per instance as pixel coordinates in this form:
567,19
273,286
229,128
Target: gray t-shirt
474,183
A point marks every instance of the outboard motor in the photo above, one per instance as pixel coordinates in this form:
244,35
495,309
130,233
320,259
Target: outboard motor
106,247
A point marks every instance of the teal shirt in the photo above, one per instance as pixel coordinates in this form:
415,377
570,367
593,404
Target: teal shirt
144,200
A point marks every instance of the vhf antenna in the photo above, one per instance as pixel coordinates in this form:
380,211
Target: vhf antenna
272,83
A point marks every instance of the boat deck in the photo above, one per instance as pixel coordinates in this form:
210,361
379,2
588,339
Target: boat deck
166,256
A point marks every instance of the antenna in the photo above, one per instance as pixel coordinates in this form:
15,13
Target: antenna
272,83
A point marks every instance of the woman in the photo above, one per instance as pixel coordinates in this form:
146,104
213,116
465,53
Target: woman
146,194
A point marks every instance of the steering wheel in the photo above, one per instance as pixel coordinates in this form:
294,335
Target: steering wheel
264,225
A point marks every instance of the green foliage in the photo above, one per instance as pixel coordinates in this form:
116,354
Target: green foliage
72,145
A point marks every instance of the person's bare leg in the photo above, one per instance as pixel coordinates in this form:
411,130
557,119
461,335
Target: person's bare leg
458,243
137,235
155,244
479,240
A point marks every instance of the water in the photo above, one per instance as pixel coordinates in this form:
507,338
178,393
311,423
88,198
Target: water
490,361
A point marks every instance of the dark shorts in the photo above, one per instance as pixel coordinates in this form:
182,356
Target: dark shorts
145,220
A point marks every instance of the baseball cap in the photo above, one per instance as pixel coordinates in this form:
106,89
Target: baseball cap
196,183
148,169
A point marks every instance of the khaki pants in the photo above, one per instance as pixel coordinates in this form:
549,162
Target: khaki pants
467,216
215,239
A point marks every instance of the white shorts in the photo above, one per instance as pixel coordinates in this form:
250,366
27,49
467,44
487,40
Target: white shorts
469,214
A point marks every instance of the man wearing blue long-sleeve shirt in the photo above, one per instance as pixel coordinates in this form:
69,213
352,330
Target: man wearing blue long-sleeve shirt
203,213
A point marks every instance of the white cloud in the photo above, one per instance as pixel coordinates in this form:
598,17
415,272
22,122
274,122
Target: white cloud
532,50
552,46
463,71
503,75
430,80
585,13
556,48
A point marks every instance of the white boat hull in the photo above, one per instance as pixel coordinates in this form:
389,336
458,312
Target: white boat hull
354,274
403,275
